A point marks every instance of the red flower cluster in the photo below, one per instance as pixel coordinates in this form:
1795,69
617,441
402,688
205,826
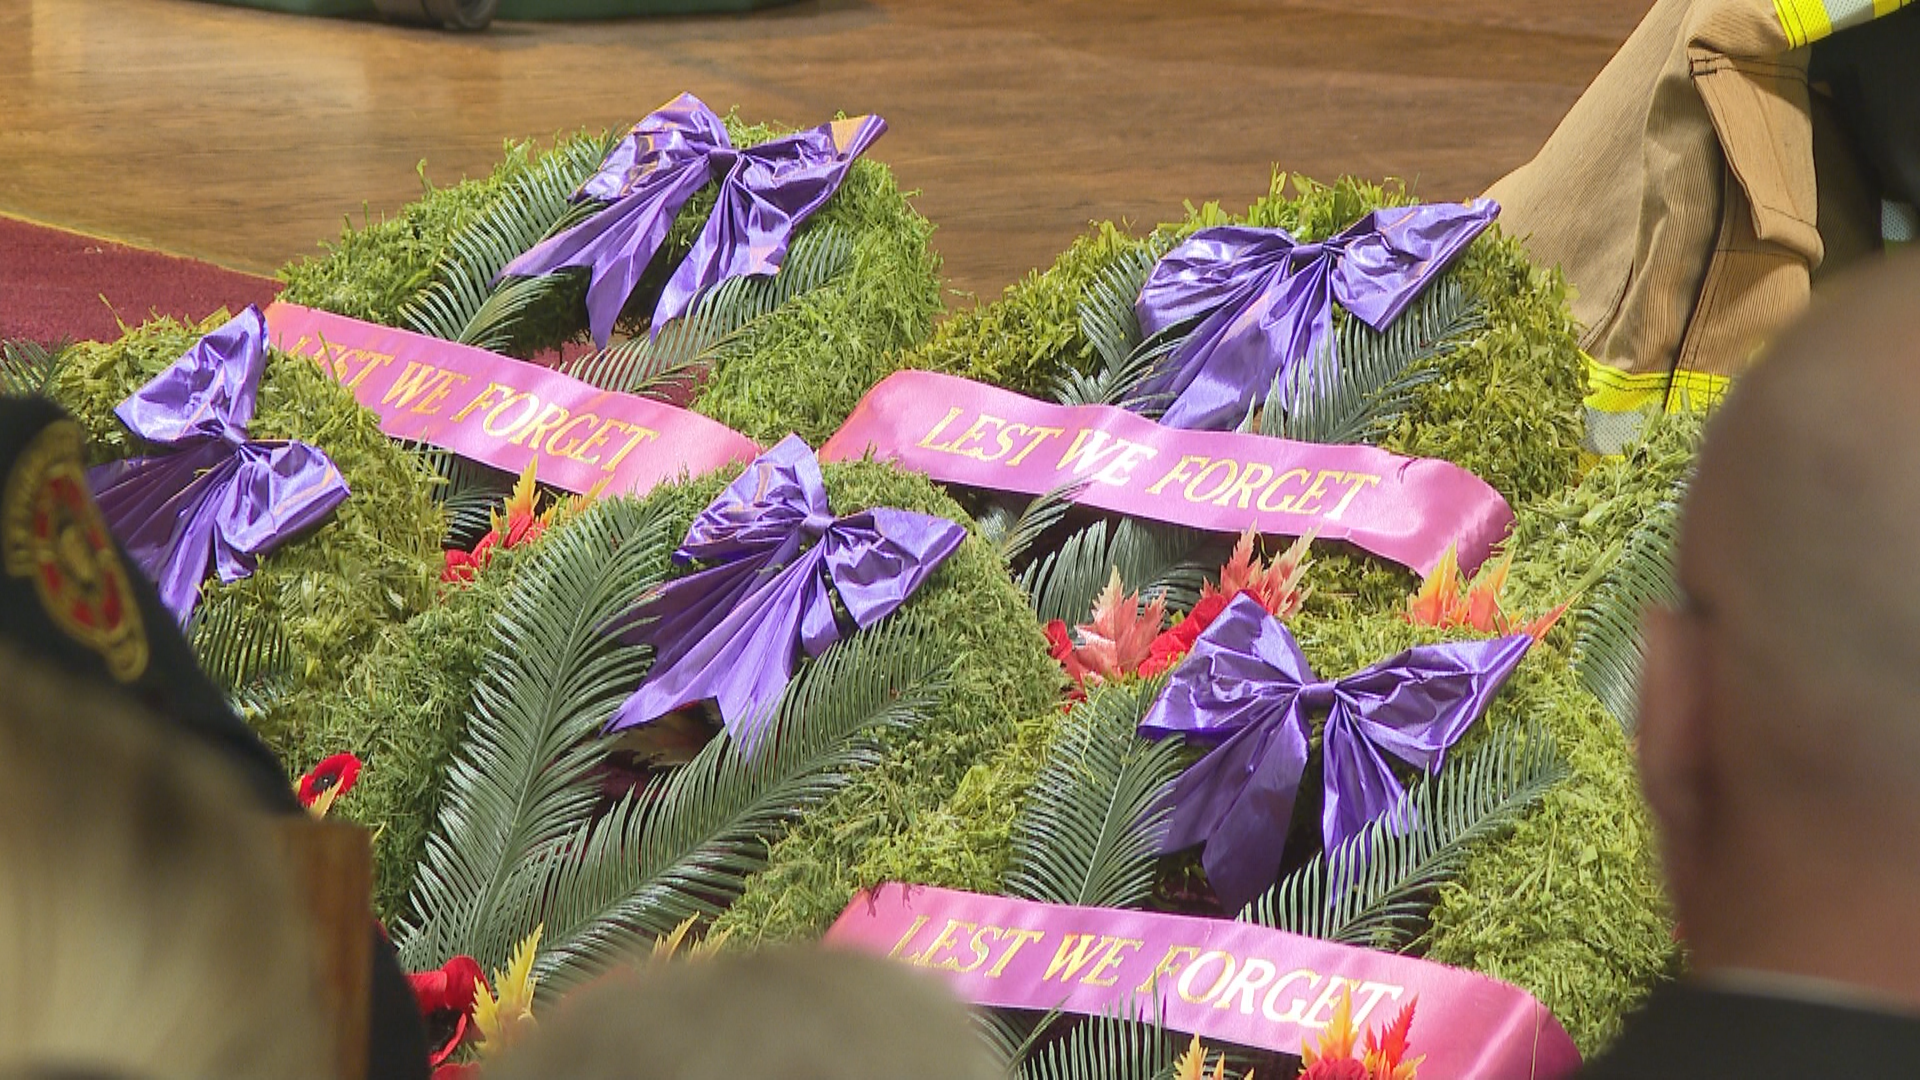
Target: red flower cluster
446,999
336,774
1125,639
1383,1056
521,526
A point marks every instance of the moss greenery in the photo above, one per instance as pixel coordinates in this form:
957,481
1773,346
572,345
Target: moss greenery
332,595
801,369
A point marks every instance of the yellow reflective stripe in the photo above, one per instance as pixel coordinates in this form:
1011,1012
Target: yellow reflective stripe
1803,20
1696,391
1614,391
1611,390
1810,20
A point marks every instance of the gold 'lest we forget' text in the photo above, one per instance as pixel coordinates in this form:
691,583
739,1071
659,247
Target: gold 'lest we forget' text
510,416
1095,456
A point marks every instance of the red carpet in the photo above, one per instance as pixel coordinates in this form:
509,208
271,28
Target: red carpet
63,286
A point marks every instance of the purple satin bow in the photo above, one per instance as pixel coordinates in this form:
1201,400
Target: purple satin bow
766,191
1265,300
1247,683
730,634
218,495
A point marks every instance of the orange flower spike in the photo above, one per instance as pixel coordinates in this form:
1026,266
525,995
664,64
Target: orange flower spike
1434,602
1537,628
1242,570
1481,609
525,493
1386,1049
1121,634
1286,577
1336,1042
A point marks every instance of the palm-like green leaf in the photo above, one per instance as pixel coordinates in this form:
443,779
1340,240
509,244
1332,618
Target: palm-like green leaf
554,677
659,365
1608,650
27,367
251,661
462,304
1377,889
1091,829
469,492
1153,559
1012,534
1110,323
685,845
1377,372
1105,1048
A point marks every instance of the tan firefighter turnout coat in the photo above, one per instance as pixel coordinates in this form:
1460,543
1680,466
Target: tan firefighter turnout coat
1679,196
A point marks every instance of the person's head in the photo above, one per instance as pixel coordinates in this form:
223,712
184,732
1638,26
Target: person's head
1779,732
785,1014
147,924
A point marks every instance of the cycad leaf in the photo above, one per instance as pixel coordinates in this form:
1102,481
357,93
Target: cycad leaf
1357,398
1608,650
1105,1048
469,493
1107,314
1377,889
1012,534
1154,560
1109,321
1091,829
685,845
27,368
461,303
724,316
520,784
250,660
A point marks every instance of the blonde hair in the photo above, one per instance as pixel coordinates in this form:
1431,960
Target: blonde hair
148,927
785,1014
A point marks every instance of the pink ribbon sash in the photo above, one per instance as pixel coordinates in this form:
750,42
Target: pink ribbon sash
957,431
505,412
1224,980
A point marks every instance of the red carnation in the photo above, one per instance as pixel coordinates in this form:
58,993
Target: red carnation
445,998
336,774
1173,644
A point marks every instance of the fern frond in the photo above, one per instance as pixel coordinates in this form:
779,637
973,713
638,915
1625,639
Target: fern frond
552,679
660,365
531,208
686,844
1105,1048
1607,649
1372,384
27,368
1377,889
1153,560
1091,829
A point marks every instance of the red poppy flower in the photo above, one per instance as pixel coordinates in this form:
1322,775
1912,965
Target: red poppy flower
445,998
336,774
469,1070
